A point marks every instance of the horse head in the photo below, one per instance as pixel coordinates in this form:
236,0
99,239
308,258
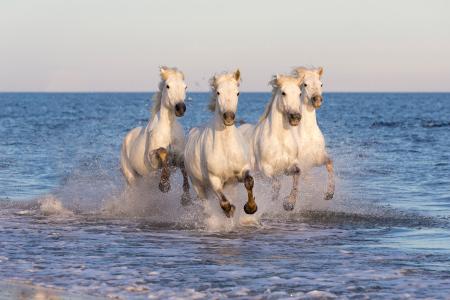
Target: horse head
225,93
311,86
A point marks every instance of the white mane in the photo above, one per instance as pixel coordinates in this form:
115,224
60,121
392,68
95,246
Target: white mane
304,71
276,82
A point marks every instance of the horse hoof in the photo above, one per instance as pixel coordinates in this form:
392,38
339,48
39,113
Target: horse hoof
250,210
164,187
186,199
288,206
329,196
230,213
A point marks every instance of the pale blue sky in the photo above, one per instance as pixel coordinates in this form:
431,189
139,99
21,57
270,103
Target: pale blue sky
109,45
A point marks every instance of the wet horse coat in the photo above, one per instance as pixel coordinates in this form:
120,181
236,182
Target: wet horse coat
161,143
216,154
273,144
312,151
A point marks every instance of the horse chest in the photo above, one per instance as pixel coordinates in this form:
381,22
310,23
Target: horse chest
227,159
312,148
282,150
159,139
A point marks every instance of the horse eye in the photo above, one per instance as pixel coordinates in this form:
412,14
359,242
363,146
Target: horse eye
185,87
283,93
167,86
305,85
238,94
218,93
321,85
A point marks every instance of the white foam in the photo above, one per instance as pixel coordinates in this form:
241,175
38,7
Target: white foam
315,294
50,205
108,195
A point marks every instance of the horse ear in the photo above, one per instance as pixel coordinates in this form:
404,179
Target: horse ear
300,78
278,79
214,80
320,71
163,72
237,75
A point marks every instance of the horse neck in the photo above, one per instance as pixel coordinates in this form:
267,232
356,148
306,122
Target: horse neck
309,120
165,118
276,122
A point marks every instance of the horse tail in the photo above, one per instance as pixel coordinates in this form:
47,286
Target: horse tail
125,165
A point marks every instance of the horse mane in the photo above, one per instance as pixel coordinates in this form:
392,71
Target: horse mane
213,100
299,71
267,109
214,83
276,82
165,73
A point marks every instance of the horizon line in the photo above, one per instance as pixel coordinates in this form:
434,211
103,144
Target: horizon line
208,91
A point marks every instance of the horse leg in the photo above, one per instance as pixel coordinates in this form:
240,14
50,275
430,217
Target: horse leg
186,197
276,186
226,206
199,189
290,200
217,186
129,174
330,186
163,156
250,207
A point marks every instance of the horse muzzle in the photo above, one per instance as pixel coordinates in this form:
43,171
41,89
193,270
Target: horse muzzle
180,108
317,101
294,119
228,118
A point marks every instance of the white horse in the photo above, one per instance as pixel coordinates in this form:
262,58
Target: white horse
273,143
161,143
216,154
312,150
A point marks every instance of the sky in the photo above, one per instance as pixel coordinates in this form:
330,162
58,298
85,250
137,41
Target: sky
118,45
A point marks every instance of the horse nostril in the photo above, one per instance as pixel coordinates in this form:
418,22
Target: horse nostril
294,119
295,116
180,107
229,115
228,118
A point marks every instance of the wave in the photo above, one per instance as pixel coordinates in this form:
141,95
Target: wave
435,124
411,124
165,212
378,217
91,191
378,124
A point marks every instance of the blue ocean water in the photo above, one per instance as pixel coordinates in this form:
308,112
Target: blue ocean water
66,221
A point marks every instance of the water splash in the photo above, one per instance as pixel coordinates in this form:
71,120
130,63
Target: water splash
108,197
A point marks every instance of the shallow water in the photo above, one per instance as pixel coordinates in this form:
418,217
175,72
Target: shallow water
66,222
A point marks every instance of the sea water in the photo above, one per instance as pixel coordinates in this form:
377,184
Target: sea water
68,222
